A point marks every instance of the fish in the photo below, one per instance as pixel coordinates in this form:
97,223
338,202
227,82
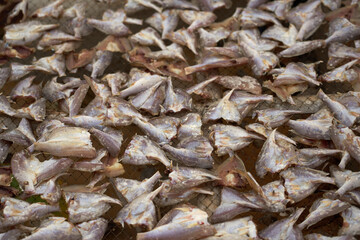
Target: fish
22,135
55,37
99,89
83,207
173,51
350,225
140,212
275,155
180,223
114,44
206,89
29,171
252,38
210,37
340,112
301,182
142,151
316,126
78,25
54,64
8,52
141,84
279,7
230,172
5,107
323,208
114,26
285,228
346,180
25,90
73,103
301,48
227,138
190,126
67,142
14,234
115,81
184,38
133,6
94,229
120,14
342,30
192,152
27,32
132,189
110,138
76,60
318,236
150,100
211,5
252,18
196,19
148,37
92,165
339,53
295,73
314,157
265,132
5,73
332,5
272,118
176,99
101,61
56,228
35,111
179,4
279,33
20,8
54,9
284,92
17,211
344,73
245,83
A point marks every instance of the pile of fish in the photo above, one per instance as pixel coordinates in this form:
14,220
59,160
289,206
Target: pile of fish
73,115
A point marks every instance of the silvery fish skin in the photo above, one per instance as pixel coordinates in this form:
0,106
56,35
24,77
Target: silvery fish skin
211,5
295,73
75,60
300,48
231,172
245,83
46,126
279,33
190,126
141,84
35,111
142,151
19,70
73,103
350,100
100,62
316,126
284,228
176,99
186,177
115,81
133,6
173,51
275,155
54,91
242,228
114,27
342,30
205,89
344,73
279,7
99,89
323,208
49,190
272,118
301,182
132,189
251,18
78,26
84,207
346,180
192,152
183,222
169,196
54,64
252,38
340,112
5,107
164,22
318,236
255,3
110,138
17,211
26,32
185,38
315,157
93,230
197,19
29,171
67,142
179,4
121,15
56,228
227,138
22,135
55,37
22,8
26,90
210,37
93,164
14,234
307,17
338,53
148,37
351,224
54,10
265,132
140,212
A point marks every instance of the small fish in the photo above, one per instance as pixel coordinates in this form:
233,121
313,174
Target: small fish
323,208
346,180
142,151
91,165
84,207
132,189
35,111
115,81
55,37
148,37
29,171
133,6
300,48
46,126
20,8
272,118
14,234
295,73
197,19
211,5
140,212
265,132
22,135
275,155
301,182
279,33
110,138
185,38
73,103
252,18
210,37
279,7
284,92
179,4
100,62
316,126
164,22
54,10
114,44
93,230
54,64
252,38
245,83
67,142
332,5
284,229
227,138
315,157
190,126
340,112
184,222
26,32
176,99
173,51
229,172
206,89
5,107
339,53
351,222
344,73
100,90
26,90
80,59
56,228
318,236
5,73
192,152
342,30
141,84
17,211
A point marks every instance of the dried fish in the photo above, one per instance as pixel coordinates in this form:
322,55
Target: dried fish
114,26
252,17
185,177
94,229
176,99
54,64
315,157
22,8
185,38
346,180
300,48
141,84
272,118
54,10
133,6
190,126
351,222
284,92
22,135
26,90
179,4
93,164
164,22
211,5
115,81
295,73
285,35
279,7
342,30
339,53
148,37
344,73
197,19
265,132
